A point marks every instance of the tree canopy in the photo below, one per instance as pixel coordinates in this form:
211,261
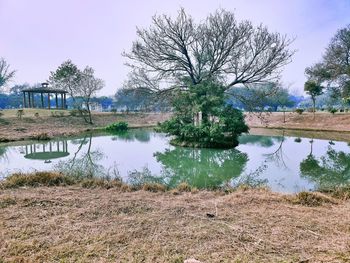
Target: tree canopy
6,74
197,63
175,52
334,68
313,89
80,84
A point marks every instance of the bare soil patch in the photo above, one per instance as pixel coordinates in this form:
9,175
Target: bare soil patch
73,224
323,121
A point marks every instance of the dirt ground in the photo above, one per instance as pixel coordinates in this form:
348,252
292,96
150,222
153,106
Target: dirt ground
31,127
323,121
73,224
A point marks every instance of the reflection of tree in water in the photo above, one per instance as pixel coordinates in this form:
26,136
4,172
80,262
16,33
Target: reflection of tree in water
132,135
263,141
202,168
277,156
83,163
332,169
252,179
3,151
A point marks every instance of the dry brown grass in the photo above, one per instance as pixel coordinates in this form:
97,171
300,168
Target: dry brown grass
323,121
74,224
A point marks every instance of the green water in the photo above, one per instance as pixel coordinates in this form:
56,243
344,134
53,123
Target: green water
285,164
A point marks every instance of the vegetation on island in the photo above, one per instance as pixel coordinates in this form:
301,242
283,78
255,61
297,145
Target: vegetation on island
201,62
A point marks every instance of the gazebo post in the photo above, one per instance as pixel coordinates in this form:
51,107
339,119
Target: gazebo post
56,101
48,100
33,102
29,101
65,101
62,106
42,100
24,99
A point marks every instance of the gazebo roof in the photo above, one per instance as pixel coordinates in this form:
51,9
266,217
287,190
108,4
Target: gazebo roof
45,90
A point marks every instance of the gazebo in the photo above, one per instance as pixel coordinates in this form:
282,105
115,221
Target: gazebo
29,101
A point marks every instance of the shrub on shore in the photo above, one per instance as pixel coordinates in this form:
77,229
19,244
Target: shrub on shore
299,111
117,126
332,110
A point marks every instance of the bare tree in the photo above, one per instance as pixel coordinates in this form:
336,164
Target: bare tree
88,86
176,52
6,74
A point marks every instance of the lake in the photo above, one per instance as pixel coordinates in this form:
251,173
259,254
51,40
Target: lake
283,163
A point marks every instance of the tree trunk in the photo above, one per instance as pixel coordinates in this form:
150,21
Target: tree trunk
314,103
89,111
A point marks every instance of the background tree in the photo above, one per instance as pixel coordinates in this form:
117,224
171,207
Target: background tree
257,97
67,77
334,69
87,87
174,56
6,74
313,89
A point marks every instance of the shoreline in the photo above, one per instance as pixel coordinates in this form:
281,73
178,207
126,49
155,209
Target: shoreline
47,127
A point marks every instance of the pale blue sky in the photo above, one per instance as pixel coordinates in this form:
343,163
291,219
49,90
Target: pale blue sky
38,35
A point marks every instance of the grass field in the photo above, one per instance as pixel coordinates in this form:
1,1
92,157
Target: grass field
75,224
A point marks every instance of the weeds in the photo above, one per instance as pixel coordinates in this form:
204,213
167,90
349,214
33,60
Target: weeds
338,192
7,201
312,199
184,187
36,179
41,137
154,187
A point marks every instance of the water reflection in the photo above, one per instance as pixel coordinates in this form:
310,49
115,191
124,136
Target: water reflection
3,151
278,155
331,169
202,168
46,151
85,161
283,163
260,140
132,135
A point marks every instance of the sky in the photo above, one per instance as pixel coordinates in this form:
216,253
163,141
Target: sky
38,35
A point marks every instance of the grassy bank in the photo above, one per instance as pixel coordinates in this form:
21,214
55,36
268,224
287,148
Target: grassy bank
48,124
60,220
